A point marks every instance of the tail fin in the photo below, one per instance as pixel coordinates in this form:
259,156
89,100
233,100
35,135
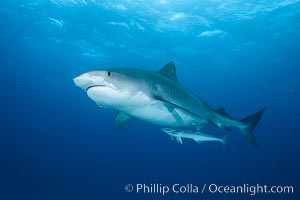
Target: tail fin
223,140
251,123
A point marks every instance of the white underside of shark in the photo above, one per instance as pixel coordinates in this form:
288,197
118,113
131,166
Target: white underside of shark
143,107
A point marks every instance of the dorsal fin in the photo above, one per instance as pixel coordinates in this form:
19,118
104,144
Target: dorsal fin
169,70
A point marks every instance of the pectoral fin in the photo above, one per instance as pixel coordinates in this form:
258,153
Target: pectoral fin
179,140
121,120
174,113
171,106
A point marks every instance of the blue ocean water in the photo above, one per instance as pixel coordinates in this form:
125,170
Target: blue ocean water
55,143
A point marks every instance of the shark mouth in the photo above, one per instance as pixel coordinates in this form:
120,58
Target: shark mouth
93,86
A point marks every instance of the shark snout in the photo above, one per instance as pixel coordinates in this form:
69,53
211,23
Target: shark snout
83,81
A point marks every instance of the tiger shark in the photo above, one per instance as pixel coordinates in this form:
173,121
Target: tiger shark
157,97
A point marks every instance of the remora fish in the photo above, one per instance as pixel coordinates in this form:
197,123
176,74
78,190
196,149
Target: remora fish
197,136
158,98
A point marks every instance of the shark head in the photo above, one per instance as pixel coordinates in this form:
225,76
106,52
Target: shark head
92,79
110,88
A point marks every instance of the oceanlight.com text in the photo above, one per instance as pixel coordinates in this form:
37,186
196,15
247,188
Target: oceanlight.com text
190,188
250,189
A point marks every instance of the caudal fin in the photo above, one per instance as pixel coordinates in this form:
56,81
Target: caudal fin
250,123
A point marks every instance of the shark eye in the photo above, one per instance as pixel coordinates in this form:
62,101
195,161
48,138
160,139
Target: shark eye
108,74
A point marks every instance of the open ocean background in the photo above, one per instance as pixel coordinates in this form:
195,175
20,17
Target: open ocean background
55,143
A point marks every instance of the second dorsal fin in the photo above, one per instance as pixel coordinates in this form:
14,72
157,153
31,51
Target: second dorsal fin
223,112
